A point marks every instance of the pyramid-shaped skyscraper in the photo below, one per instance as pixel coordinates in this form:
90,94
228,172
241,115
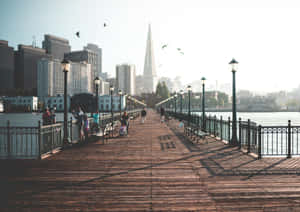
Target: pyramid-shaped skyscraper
150,78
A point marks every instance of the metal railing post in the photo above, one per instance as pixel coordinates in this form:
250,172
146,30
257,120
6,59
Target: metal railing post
259,142
228,129
289,155
240,133
221,126
8,140
248,136
215,124
71,128
40,140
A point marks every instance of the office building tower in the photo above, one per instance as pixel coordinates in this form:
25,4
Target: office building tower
26,60
150,78
7,66
98,51
125,78
56,46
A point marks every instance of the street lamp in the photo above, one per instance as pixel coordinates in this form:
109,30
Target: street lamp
203,103
111,108
181,95
65,64
175,99
189,89
97,83
120,94
233,63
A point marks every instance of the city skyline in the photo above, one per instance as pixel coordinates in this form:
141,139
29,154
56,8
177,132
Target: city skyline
261,35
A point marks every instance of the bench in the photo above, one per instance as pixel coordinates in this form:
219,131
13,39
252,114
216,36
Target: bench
194,131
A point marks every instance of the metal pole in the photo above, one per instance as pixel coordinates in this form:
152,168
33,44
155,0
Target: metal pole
112,113
120,106
203,107
189,109
234,136
66,137
181,103
175,105
97,98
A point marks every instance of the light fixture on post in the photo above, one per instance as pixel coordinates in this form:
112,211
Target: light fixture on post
175,100
120,94
189,89
111,108
181,96
65,64
203,103
234,65
97,83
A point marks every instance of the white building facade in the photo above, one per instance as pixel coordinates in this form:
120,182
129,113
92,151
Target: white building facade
56,102
51,78
31,102
105,103
125,77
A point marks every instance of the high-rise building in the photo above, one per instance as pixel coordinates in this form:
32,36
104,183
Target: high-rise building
26,60
56,46
98,51
150,78
51,78
7,65
87,56
125,78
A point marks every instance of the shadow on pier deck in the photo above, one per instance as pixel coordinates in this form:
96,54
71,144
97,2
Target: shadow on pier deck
154,168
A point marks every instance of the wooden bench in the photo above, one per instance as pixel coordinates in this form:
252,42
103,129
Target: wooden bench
194,131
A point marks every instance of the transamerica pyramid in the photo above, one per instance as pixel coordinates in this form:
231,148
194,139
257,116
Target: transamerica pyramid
150,78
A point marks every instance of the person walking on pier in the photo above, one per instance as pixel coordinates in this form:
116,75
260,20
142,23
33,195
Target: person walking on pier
162,114
125,121
143,115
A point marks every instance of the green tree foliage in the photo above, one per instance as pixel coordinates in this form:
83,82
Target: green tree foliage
162,90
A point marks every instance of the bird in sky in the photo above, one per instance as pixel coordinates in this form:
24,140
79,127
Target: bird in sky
104,24
164,46
179,49
78,34
182,53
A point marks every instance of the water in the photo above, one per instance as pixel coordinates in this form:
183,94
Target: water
263,118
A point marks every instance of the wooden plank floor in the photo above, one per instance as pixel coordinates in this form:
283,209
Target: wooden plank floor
155,168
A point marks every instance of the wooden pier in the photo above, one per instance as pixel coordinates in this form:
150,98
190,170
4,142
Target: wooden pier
154,168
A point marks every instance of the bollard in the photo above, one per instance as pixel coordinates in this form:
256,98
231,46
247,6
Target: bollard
289,155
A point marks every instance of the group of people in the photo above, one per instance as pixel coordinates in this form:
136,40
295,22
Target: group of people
82,123
49,116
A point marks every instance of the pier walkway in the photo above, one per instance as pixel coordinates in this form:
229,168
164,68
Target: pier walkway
154,168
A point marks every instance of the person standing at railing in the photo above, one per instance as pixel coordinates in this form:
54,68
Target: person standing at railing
52,116
96,121
79,121
46,117
86,127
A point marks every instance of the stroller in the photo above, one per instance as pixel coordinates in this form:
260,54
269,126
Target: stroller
123,130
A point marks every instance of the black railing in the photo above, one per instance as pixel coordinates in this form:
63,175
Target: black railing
254,138
33,142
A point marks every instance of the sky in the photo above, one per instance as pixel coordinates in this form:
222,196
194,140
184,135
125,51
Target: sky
262,35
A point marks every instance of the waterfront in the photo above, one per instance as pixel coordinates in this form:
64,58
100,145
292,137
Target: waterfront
264,118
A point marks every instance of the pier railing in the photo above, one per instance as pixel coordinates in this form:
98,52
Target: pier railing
262,140
21,142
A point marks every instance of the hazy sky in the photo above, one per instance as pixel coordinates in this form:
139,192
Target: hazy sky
264,36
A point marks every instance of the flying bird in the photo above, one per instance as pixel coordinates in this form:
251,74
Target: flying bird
104,25
182,53
164,46
78,34
179,49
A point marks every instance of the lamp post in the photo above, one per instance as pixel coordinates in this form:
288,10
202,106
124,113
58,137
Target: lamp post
233,63
97,83
189,89
175,100
66,68
111,107
181,95
203,103
120,94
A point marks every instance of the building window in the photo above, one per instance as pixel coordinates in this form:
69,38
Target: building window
102,107
54,100
107,107
60,106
